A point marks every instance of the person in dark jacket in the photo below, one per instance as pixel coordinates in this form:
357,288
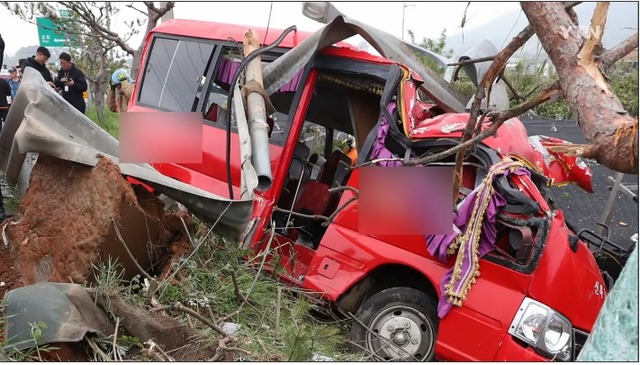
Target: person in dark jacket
5,96
1,49
72,82
39,62
5,92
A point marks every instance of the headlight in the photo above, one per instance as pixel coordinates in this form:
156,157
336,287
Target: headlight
547,331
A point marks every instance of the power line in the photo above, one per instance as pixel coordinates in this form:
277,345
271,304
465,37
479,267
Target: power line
268,24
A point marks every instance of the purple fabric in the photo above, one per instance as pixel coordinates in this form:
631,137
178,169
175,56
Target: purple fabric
379,150
437,245
228,69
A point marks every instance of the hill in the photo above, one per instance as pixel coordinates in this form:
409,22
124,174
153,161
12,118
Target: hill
622,22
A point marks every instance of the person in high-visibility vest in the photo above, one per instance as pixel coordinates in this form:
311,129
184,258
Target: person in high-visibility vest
352,152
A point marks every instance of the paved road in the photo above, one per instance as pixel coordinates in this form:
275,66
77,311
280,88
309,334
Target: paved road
582,209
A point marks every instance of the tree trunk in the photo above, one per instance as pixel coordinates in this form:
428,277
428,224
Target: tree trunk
612,132
100,84
152,21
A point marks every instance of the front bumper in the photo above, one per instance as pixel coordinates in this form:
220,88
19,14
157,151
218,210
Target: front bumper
511,350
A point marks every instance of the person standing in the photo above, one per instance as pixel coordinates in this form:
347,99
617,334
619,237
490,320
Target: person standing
122,83
14,82
1,49
39,63
72,82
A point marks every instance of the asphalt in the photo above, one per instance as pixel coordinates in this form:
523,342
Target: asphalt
584,210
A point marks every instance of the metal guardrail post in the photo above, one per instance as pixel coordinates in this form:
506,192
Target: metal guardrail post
625,189
608,209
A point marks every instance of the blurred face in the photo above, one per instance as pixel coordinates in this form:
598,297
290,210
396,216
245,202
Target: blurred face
41,59
13,74
65,65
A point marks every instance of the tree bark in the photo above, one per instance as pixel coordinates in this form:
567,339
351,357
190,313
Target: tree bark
604,121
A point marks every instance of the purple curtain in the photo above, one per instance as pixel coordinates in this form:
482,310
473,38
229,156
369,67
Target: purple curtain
228,68
476,221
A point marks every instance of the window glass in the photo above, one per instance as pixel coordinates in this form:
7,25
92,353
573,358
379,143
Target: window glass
214,106
174,73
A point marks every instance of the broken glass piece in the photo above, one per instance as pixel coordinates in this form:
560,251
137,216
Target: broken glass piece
615,334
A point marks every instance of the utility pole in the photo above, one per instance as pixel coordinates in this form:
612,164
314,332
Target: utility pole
404,7
168,15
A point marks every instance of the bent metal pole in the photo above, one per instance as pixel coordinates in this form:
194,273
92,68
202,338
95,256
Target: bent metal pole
257,115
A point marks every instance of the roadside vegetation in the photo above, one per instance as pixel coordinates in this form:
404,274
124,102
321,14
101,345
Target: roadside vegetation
267,320
623,78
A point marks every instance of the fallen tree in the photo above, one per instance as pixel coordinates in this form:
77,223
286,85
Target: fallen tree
580,64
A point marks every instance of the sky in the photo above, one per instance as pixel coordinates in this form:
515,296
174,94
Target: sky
424,19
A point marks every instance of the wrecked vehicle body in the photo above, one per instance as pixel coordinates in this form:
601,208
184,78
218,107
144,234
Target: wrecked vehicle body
391,284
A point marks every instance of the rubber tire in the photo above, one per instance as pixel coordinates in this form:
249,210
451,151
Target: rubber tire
388,298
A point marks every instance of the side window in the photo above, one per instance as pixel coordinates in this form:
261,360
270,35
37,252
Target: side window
214,106
174,72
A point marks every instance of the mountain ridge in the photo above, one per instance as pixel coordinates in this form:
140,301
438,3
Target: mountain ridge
622,22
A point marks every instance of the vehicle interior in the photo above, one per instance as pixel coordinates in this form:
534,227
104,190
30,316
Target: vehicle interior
339,113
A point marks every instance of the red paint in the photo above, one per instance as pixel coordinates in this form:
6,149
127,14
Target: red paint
476,331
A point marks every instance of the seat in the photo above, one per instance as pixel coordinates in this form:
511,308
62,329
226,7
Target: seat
332,165
298,172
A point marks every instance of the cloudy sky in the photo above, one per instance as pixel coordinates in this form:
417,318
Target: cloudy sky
425,19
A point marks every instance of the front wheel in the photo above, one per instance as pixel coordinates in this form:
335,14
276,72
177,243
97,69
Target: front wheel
402,325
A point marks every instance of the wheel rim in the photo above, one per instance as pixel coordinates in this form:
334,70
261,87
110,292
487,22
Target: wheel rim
401,332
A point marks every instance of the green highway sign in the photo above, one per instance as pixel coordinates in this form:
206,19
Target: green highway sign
49,33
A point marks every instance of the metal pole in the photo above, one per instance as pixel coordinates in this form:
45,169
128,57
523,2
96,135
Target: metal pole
404,6
257,115
608,209
626,189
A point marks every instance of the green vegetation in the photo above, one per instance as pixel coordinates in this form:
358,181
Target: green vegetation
109,123
622,76
215,278
277,322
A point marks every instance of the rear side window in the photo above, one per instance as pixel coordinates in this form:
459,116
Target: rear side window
173,73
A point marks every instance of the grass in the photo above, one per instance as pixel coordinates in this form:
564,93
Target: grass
293,334
269,329
109,123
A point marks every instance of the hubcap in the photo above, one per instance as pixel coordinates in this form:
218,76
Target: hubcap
401,332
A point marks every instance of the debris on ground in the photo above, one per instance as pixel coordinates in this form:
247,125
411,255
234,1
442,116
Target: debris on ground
72,216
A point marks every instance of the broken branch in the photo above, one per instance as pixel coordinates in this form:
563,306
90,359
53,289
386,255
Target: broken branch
181,308
594,41
222,345
515,93
135,262
115,340
96,349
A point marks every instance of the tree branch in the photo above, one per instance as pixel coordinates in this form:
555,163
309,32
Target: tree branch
87,16
494,70
615,54
594,41
514,92
130,6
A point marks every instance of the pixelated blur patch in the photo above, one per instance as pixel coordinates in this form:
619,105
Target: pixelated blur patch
405,200
160,137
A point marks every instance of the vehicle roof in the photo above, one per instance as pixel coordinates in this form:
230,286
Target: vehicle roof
235,32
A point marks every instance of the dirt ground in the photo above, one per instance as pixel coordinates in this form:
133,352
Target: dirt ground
65,224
